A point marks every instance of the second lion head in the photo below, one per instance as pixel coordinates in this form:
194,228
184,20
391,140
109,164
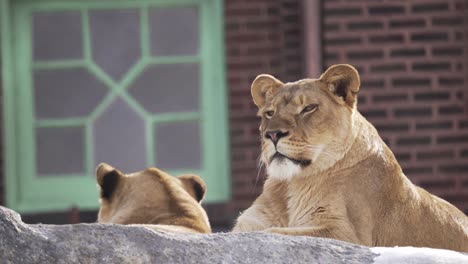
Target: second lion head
305,125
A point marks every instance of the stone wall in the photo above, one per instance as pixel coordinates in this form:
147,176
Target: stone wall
98,243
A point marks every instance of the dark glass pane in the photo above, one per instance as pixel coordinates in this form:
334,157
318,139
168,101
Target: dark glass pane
57,35
174,31
119,138
115,39
178,145
60,150
66,93
168,88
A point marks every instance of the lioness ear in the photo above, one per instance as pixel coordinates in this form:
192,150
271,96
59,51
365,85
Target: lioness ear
264,86
194,185
343,81
107,178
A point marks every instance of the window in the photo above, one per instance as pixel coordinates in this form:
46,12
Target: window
133,83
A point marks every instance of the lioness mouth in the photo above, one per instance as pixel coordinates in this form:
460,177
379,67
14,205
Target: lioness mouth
280,156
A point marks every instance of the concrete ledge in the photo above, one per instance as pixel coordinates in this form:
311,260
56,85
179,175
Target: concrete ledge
97,243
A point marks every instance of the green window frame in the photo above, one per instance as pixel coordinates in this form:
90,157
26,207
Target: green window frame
25,191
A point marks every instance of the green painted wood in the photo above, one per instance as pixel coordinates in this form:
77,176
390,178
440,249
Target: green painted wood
86,36
10,137
145,31
173,59
24,161
214,101
50,65
132,74
53,5
66,122
175,117
25,191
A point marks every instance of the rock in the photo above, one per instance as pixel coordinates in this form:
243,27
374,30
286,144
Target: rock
98,243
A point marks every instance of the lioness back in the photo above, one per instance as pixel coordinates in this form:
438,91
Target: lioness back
331,175
407,215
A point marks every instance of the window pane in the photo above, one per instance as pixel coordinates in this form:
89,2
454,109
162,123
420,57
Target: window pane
60,150
57,35
119,138
178,146
168,88
174,31
115,39
66,93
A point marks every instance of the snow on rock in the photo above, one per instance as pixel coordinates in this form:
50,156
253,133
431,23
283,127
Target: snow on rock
412,255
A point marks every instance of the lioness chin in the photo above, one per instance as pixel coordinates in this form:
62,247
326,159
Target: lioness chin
331,175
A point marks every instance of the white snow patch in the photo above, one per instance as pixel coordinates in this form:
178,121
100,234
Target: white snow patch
412,255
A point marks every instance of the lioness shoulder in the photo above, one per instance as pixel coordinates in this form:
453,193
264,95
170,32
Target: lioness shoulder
152,198
331,175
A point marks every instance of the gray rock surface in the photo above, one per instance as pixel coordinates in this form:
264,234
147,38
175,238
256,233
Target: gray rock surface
97,243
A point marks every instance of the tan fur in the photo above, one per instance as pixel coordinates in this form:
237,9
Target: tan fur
152,198
350,186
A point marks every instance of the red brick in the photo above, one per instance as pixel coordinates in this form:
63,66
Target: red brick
261,37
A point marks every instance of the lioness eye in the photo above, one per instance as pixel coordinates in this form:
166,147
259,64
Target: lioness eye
309,108
269,114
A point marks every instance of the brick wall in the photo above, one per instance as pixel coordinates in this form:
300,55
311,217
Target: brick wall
261,36
412,57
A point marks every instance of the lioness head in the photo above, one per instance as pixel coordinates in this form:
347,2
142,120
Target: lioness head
151,197
306,125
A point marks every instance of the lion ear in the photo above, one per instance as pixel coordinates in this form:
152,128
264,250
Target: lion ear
263,87
107,178
194,185
343,81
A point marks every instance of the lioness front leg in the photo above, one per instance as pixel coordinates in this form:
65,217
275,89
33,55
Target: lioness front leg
249,222
326,232
267,210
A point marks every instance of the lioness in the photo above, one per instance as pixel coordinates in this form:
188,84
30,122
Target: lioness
331,175
152,198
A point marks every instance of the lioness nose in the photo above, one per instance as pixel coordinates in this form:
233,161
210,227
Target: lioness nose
275,135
